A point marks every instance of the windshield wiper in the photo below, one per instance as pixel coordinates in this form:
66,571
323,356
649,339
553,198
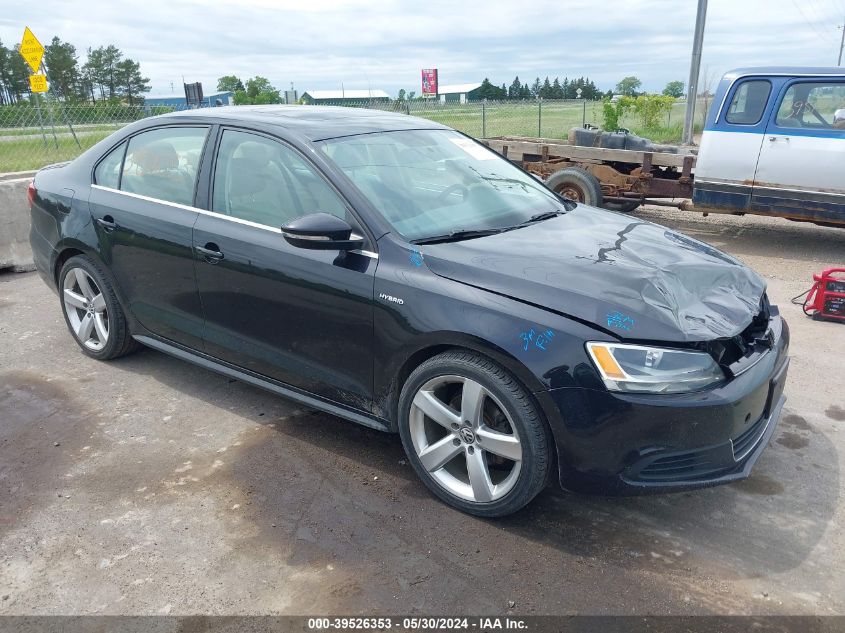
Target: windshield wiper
539,217
456,236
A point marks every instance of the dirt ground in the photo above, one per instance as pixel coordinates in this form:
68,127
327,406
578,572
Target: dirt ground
148,486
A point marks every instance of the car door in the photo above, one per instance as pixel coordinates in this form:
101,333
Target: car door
302,317
802,161
141,204
730,147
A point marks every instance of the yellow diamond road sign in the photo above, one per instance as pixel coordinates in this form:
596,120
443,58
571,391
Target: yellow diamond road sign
38,83
31,49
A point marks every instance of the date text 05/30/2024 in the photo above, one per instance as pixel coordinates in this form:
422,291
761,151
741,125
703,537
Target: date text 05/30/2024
416,624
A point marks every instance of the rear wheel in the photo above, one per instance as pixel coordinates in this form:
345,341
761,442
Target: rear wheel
473,434
92,311
576,184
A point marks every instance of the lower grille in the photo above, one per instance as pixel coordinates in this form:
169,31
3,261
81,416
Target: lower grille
687,466
747,440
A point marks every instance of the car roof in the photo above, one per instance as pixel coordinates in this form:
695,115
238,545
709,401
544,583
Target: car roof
313,122
792,71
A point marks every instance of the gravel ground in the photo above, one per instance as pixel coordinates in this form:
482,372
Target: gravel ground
147,486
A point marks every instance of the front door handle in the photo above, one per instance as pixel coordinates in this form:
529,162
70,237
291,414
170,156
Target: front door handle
211,252
108,223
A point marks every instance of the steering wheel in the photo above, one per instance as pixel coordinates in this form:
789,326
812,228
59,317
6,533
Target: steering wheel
800,107
448,191
816,114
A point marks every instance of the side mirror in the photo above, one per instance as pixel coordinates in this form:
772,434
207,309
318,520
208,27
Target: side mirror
323,232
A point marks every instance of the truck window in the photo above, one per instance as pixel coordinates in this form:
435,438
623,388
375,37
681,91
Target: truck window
749,102
813,105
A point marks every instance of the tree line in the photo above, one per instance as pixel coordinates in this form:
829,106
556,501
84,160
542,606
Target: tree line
556,89
629,87
255,91
105,75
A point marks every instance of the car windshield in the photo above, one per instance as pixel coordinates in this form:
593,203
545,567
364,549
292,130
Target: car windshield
430,183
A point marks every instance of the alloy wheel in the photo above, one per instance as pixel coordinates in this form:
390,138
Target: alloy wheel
85,308
465,439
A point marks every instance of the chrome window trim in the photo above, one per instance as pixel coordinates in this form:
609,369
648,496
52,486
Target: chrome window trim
187,207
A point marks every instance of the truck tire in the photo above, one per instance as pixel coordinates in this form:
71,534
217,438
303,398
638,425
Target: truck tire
622,207
576,184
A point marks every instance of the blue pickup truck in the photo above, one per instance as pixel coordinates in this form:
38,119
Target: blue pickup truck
773,144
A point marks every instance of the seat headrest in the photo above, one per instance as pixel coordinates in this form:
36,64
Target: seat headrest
253,153
157,156
248,176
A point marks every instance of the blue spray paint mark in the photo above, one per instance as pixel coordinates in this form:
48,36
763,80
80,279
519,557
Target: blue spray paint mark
416,258
540,341
544,339
620,321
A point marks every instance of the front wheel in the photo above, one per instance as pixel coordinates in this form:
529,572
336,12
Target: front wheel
473,434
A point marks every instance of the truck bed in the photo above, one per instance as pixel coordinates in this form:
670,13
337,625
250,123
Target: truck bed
516,148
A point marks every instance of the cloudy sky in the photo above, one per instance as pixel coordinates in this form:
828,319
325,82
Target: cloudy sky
384,43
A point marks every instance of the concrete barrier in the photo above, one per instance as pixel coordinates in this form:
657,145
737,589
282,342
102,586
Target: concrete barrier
15,252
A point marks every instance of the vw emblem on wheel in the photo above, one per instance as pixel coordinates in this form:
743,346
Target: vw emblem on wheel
467,435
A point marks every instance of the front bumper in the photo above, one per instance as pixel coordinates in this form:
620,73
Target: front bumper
629,444
665,471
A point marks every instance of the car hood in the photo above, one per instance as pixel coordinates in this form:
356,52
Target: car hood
633,278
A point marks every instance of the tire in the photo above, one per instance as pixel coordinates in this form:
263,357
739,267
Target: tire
622,207
499,432
91,310
577,184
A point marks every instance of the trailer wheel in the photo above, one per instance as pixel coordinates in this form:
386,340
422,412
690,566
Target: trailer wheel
576,184
622,207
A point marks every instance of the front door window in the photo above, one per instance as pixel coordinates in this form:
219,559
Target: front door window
813,105
263,181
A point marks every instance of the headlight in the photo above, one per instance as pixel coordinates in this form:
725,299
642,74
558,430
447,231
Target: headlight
634,368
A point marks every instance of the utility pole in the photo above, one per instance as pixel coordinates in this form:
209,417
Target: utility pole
695,65
841,44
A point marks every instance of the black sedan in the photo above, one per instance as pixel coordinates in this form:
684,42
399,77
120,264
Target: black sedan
394,272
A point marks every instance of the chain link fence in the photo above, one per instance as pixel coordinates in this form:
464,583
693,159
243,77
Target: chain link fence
49,131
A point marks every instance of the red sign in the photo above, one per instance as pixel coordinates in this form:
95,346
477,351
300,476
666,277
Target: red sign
429,81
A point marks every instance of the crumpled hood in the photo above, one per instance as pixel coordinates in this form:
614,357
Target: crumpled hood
636,279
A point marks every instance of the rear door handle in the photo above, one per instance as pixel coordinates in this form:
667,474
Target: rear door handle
210,251
108,223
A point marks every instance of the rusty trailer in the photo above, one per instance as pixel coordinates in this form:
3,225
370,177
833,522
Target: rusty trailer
617,179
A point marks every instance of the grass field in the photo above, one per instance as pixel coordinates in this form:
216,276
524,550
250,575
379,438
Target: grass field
26,152
24,148
549,120
85,127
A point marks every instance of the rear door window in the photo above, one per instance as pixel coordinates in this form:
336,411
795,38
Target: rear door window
163,163
749,102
